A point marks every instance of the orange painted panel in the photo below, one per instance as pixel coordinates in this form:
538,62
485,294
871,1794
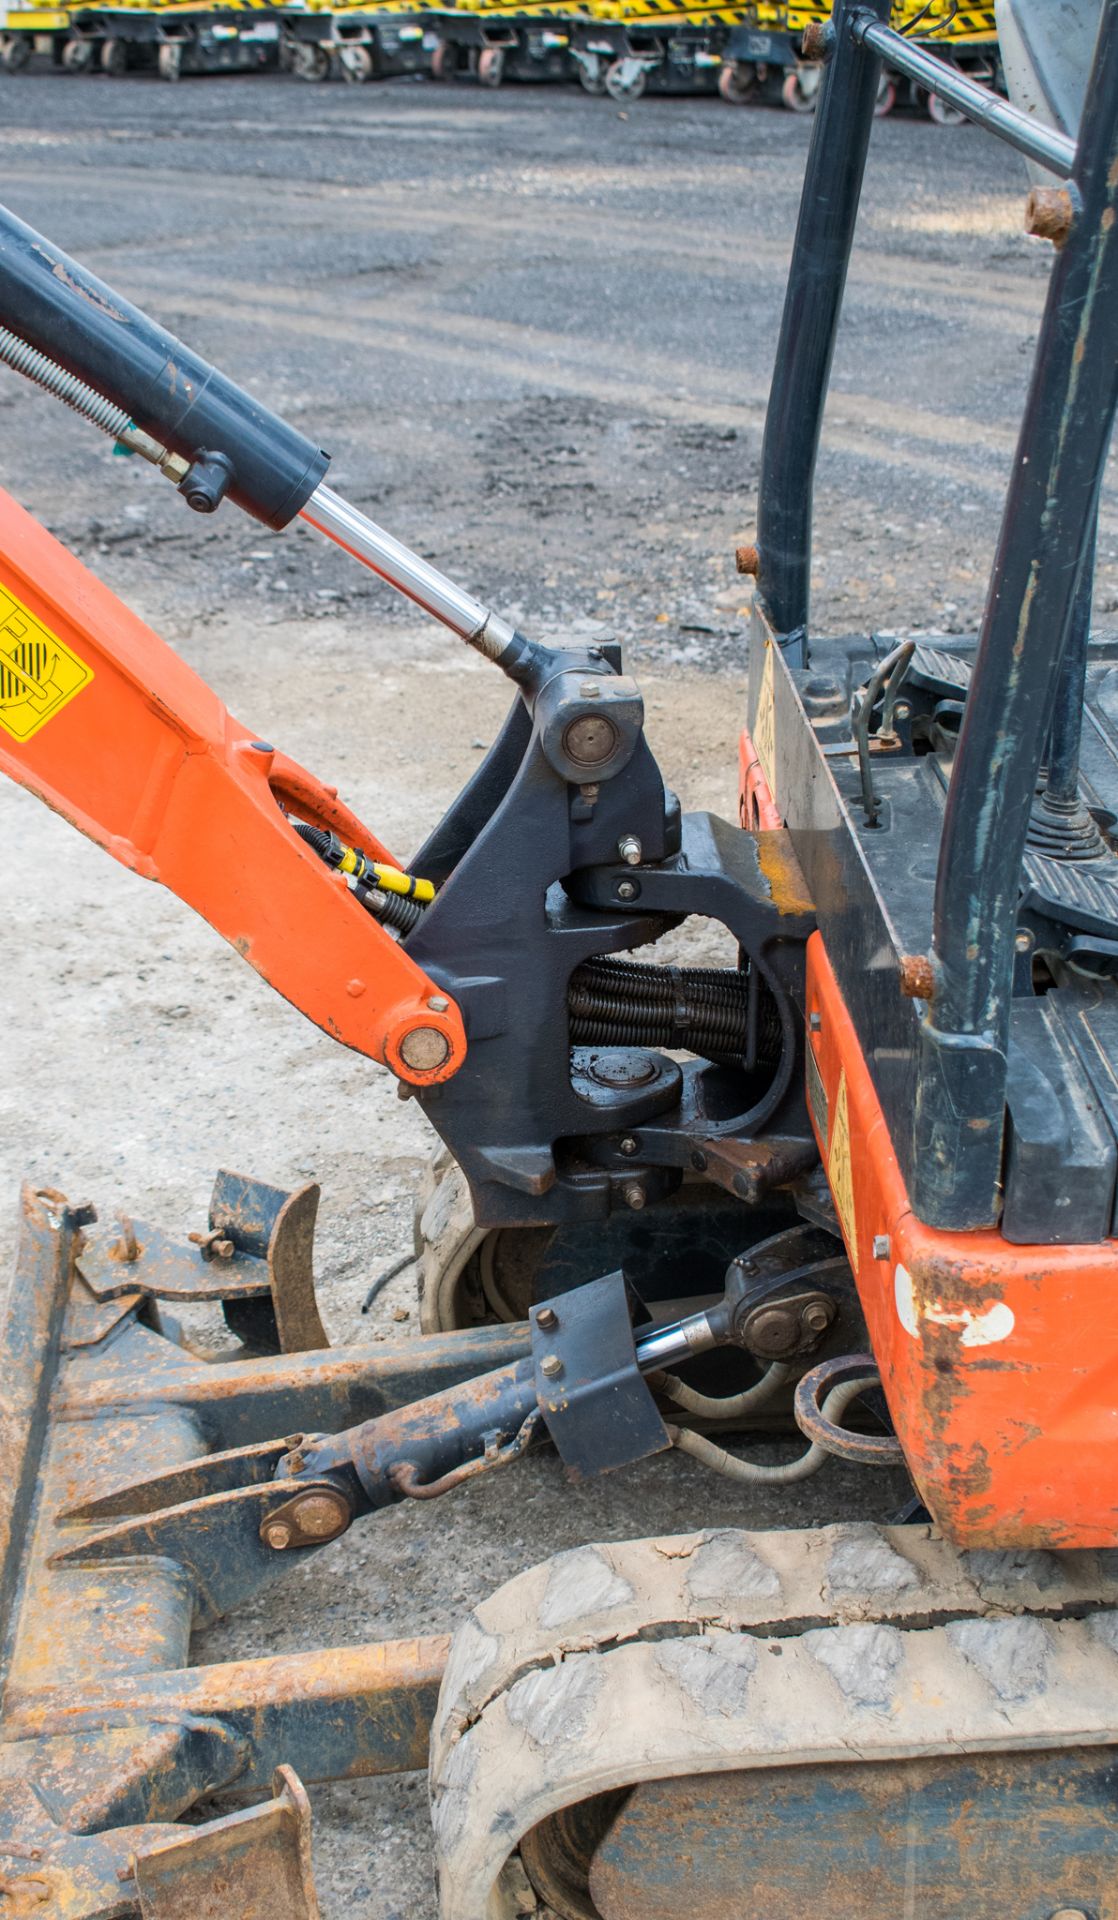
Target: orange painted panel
106,723
999,1362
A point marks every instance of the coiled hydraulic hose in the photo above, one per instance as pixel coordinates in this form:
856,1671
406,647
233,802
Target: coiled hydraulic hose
92,406
396,899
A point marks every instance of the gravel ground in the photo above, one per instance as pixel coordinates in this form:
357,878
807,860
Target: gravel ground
536,333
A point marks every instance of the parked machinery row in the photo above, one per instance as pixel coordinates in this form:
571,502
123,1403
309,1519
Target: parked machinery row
750,53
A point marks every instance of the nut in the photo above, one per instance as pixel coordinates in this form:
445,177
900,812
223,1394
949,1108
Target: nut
547,1318
634,1196
590,740
551,1366
918,982
275,1534
424,1048
629,849
628,1145
1050,214
882,1246
628,890
438,1003
748,560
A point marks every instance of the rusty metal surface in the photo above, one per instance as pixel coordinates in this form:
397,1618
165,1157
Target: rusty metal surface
254,1865
107,1735
929,1839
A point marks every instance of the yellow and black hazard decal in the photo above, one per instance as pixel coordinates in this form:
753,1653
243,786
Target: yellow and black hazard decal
39,674
764,724
840,1170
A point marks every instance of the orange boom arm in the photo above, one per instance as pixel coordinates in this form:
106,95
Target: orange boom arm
103,721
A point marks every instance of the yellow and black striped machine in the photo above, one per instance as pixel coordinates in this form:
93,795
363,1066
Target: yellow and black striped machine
749,53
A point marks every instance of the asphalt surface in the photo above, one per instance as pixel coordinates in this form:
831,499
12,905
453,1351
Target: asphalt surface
536,333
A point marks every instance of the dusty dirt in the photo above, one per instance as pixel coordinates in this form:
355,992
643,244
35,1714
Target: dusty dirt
537,334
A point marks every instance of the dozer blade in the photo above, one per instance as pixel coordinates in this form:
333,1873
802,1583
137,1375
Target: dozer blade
107,1734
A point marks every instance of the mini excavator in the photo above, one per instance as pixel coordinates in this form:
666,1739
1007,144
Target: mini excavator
861,1184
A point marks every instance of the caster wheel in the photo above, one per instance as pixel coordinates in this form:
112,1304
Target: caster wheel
15,53
310,61
77,56
737,82
625,80
114,58
943,113
801,89
356,64
591,75
444,61
886,98
491,66
169,61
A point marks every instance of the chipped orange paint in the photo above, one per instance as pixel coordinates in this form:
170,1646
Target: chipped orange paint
147,761
756,806
999,1362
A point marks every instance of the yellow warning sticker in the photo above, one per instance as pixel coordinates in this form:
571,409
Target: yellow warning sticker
840,1173
764,725
38,673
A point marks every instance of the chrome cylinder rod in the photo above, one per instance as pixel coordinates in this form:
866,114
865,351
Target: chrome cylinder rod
411,575
987,109
669,1346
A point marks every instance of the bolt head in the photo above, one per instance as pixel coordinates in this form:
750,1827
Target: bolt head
547,1318
319,1516
629,849
627,890
747,560
634,1196
590,740
1024,941
881,1246
277,1535
551,1366
424,1048
628,1145
1050,214
815,1022
438,1003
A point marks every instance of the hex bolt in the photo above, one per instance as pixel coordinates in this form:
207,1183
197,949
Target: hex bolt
634,1196
424,1048
295,1462
815,1022
437,1003
628,1145
1023,941
629,849
627,890
747,560
881,1246
817,41
1050,214
547,1318
902,711
590,690
277,1535
551,1366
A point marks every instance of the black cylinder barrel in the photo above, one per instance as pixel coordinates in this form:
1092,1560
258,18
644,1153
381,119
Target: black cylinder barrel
55,305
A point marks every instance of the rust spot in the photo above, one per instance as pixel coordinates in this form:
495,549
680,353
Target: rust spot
918,982
747,559
815,41
777,861
1050,214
